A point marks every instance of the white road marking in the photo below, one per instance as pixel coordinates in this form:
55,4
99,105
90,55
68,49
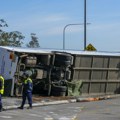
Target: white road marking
11,113
35,115
51,112
64,118
48,119
9,117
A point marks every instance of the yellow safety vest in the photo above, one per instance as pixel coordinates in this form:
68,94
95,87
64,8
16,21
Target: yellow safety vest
2,80
28,79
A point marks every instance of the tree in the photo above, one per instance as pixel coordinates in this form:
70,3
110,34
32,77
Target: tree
13,38
2,33
34,41
3,24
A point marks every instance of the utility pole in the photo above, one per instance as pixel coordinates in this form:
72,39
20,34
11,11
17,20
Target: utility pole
85,21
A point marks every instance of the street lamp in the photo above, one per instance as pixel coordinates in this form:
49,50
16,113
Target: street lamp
85,22
85,26
64,34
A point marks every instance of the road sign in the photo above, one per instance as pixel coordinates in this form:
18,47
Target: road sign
90,47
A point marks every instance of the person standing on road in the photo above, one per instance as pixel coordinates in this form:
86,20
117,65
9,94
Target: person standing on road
27,91
1,91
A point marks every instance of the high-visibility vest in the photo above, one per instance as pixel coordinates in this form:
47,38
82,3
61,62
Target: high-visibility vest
2,88
28,79
27,87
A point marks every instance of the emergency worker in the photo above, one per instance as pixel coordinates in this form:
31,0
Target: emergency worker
27,91
1,91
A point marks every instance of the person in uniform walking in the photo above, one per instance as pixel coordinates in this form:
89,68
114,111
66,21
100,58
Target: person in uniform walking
1,91
27,91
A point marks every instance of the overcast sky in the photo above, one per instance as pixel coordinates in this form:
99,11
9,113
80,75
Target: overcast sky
47,18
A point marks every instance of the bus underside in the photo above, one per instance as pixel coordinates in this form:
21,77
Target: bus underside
49,72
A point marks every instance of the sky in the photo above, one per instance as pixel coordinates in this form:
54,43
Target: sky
48,18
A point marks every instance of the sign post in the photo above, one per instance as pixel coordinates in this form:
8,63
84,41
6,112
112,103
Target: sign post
90,47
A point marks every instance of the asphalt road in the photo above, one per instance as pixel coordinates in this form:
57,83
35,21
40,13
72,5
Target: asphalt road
101,110
97,110
51,112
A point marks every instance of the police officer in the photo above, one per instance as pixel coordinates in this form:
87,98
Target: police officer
27,91
1,91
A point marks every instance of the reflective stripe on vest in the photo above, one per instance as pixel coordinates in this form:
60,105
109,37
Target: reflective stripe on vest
2,90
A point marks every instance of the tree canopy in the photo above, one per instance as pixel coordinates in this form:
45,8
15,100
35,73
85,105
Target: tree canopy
13,38
34,41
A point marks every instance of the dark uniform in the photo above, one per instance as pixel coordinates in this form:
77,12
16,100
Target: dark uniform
1,91
27,92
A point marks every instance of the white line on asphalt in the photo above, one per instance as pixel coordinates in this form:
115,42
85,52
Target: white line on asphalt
8,117
64,118
35,115
48,119
14,113
74,118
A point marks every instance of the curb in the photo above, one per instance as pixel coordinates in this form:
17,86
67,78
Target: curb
78,99
42,104
89,99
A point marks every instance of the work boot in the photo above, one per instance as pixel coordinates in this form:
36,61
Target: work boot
20,107
0,110
30,107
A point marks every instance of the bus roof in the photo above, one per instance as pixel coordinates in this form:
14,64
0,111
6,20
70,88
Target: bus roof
50,51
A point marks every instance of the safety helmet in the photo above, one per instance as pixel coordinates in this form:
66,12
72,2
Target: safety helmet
28,73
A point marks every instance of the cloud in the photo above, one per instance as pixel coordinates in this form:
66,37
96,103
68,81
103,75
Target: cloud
58,30
54,18
105,26
36,22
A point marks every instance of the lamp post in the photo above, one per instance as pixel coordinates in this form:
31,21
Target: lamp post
85,24
64,34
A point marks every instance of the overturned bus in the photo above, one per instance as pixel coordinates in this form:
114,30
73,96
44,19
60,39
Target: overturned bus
60,72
